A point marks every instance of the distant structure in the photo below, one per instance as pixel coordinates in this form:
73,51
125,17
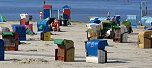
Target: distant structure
44,2
143,8
108,13
126,1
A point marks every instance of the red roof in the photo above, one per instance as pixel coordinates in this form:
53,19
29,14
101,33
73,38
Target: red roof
47,6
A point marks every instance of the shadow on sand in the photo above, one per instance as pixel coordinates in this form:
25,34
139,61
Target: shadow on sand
117,61
12,60
63,31
110,46
80,61
133,33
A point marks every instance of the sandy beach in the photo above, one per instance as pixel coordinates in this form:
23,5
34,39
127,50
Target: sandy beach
41,54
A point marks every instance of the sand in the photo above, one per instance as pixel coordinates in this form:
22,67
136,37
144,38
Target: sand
40,54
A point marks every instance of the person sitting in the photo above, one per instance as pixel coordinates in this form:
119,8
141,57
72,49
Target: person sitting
55,25
61,20
128,25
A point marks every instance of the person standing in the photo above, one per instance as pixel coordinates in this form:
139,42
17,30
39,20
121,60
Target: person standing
113,18
61,20
117,19
41,14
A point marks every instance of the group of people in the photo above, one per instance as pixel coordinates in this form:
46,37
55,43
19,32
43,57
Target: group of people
116,21
55,25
